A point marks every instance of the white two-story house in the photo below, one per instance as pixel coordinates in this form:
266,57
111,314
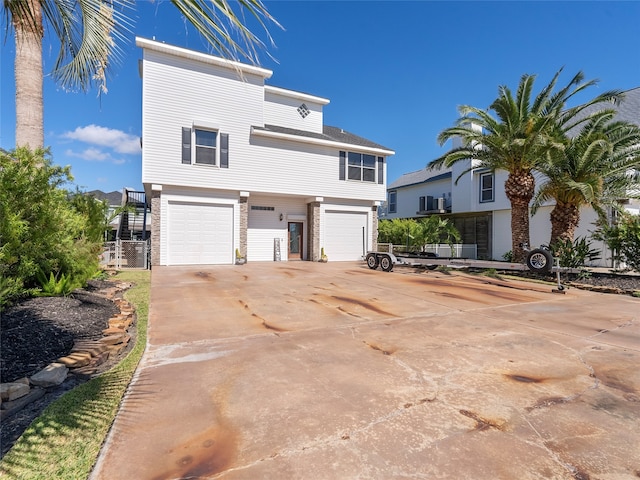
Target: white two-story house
232,164
477,205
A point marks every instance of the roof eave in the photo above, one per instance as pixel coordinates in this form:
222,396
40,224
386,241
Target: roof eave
319,141
160,47
298,95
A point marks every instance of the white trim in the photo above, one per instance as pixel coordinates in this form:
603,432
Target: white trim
201,57
204,124
319,141
298,95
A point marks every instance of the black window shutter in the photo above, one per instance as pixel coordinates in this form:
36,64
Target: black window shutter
343,164
224,150
186,145
380,170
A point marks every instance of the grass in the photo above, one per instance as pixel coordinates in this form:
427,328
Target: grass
64,442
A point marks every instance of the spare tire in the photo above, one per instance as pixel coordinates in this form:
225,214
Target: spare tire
539,260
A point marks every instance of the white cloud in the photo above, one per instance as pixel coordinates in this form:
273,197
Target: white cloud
117,140
95,155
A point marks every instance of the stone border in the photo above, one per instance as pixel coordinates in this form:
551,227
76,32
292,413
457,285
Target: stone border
83,360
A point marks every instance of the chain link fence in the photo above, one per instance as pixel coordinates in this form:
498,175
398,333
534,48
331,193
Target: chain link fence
123,254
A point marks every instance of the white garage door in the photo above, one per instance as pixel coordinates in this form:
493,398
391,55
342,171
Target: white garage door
343,237
200,234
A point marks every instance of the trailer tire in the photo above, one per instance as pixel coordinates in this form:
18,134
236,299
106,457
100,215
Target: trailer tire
539,260
372,261
386,263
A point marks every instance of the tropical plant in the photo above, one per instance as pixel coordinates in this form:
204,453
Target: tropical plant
417,234
574,253
435,229
54,286
595,168
90,33
517,141
623,238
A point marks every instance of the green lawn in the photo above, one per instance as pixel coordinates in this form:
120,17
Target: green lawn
64,442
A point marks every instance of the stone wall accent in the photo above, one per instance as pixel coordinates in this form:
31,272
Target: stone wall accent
313,237
155,227
244,225
83,360
374,228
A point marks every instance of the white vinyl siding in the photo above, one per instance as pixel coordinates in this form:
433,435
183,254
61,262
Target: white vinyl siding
283,111
173,99
200,234
265,225
345,235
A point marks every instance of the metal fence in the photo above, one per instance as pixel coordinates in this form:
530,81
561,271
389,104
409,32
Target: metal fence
123,254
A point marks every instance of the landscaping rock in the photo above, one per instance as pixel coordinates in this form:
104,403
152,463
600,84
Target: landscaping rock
10,408
52,375
12,391
115,339
75,360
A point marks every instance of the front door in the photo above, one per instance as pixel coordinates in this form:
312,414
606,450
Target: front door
295,240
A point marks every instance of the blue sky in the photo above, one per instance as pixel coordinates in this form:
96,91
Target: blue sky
395,71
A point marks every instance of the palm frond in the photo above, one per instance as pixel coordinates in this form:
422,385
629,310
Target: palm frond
224,29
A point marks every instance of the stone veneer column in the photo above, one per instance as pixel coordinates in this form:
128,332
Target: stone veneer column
374,228
244,224
313,244
155,227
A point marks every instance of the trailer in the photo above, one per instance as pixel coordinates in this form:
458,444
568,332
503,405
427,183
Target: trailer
538,260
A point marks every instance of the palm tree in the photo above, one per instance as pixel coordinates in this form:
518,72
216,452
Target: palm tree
90,33
517,141
595,168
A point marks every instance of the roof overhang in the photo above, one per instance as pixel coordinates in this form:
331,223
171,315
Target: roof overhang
320,141
305,97
160,47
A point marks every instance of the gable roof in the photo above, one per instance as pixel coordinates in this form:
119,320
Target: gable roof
329,135
418,177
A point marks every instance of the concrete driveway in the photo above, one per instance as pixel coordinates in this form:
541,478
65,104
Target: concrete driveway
333,371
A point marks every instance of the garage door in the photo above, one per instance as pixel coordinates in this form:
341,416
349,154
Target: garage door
343,236
200,234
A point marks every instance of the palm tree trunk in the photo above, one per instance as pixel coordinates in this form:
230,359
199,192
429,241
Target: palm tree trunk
519,188
565,218
28,76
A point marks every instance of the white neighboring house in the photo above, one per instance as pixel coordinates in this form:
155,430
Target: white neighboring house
231,163
478,206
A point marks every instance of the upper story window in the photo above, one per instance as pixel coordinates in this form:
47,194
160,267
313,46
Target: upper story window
362,167
206,142
393,201
487,188
205,147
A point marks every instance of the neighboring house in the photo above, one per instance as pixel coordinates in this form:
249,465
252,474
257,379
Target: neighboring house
229,163
478,207
114,201
132,223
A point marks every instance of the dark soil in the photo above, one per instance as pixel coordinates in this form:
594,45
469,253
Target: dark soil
38,331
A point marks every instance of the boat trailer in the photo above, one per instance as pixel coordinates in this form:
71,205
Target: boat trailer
538,260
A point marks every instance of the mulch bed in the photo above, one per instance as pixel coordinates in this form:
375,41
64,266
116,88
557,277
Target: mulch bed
36,332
